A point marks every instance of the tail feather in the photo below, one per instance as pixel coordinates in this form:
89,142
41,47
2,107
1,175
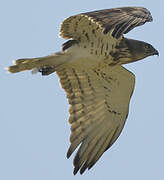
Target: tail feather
23,65
21,61
52,61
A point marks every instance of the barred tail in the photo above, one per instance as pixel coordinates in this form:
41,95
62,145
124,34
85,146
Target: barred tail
24,64
52,61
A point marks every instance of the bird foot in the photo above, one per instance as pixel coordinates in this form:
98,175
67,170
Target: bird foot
46,70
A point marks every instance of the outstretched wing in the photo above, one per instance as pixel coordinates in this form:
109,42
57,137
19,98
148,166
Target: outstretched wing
117,21
99,101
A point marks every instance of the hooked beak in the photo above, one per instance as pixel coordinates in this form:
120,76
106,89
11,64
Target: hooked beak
156,52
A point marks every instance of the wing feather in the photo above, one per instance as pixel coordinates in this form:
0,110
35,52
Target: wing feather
104,21
110,18
98,109
100,145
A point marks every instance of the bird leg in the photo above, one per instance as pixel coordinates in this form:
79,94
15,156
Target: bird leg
46,70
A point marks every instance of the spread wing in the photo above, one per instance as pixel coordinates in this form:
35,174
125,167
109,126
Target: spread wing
116,21
99,101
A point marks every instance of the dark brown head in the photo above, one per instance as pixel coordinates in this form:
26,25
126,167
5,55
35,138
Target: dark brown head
139,49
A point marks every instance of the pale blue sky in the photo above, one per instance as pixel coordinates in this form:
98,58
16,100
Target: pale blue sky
34,132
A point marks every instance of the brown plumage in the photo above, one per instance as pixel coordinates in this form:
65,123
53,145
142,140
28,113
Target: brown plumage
90,69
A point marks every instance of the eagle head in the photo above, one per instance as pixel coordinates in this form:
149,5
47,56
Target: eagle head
139,49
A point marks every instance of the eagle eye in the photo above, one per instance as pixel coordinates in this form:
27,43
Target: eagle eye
147,46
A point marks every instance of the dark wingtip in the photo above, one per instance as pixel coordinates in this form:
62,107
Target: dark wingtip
76,164
76,169
150,18
91,165
84,167
76,160
69,152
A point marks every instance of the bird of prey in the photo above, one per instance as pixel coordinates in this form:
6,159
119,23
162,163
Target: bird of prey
90,70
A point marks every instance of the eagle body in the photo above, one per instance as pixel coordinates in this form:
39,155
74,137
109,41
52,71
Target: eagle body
97,86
